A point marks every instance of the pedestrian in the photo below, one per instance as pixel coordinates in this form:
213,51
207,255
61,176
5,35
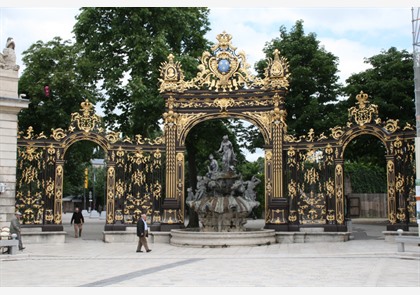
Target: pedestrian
15,228
78,220
142,233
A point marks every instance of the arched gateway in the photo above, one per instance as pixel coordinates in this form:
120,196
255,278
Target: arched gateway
304,177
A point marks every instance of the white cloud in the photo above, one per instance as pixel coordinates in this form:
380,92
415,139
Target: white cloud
349,33
29,25
351,55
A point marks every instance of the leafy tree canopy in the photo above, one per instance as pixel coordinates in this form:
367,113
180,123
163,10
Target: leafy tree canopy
55,64
389,82
126,46
313,89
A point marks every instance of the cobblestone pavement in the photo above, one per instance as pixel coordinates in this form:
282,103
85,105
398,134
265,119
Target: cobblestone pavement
365,261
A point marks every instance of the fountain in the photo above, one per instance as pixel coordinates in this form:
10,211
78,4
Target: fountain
222,201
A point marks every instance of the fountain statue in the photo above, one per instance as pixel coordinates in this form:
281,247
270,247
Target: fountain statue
223,200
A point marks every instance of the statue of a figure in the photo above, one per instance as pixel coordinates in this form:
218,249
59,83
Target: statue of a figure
201,187
8,57
190,195
228,155
250,192
213,167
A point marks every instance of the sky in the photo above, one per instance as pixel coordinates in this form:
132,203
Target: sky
350,30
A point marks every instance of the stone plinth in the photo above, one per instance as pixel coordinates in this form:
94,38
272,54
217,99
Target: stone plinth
10,106
9,83
193,238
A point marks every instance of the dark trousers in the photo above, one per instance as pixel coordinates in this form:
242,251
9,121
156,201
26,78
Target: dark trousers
19,238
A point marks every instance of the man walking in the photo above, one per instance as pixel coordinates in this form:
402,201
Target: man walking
15,228
142,233
78,222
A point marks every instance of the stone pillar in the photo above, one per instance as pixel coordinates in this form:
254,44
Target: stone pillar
10,105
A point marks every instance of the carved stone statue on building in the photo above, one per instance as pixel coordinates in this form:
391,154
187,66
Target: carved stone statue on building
8,57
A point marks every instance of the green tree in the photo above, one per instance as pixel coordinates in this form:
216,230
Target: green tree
389,82
54,64
57,64
314,88
126,46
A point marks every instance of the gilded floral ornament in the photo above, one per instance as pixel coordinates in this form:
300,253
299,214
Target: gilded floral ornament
392,125
58,134
86,120
113,137
224,103
170,116
29,133
172,77
276,73
365,112
337,132
223,69
279,114
408,126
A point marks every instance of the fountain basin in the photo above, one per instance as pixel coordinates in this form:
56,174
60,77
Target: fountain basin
197,238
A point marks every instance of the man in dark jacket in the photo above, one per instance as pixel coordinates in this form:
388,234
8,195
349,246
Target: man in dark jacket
15,228
78,222
142,233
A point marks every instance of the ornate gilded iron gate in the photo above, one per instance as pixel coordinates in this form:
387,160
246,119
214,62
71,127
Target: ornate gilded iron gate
304,176
134,177
314,173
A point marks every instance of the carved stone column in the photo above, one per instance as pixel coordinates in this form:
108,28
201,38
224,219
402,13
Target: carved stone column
10,106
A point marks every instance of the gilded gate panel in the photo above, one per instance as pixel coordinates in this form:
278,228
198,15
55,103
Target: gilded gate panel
134,178
304,174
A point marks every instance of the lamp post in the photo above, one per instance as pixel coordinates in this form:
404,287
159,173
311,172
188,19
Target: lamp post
93,189
90,201
85,187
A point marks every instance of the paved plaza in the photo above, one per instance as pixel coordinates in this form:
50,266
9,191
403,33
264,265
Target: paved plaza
365,261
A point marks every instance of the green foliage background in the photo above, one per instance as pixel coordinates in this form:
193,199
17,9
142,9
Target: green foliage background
366,177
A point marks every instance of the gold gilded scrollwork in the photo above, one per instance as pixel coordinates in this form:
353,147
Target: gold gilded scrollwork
391,192
292,189
312,208
170,116
337,132
113,137
391,125
50,188
311,176
224,103
290,138
264,119
29,133
291,153
87,120
224,69
184,120
58,134
292,216
172,76
276,73
365,112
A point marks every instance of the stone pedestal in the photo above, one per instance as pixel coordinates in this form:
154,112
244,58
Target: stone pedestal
10,106
9,83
